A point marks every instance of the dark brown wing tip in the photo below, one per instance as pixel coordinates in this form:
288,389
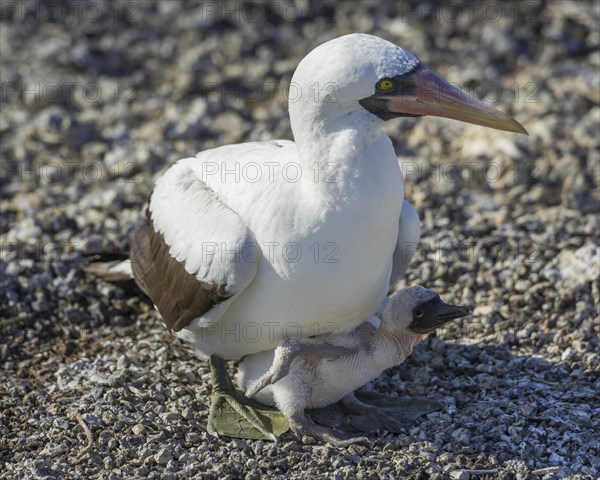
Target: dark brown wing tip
178,295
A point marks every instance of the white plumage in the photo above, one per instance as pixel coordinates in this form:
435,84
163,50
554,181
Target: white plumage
246,245
303,234
314,373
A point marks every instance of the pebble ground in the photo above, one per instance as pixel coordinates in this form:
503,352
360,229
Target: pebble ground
99,97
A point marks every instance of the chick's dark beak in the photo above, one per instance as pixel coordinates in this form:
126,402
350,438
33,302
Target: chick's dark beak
433,314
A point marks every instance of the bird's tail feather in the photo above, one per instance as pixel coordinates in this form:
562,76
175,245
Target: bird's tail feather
115,271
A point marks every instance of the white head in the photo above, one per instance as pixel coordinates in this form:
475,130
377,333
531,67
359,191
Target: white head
347,68
413,312
364,79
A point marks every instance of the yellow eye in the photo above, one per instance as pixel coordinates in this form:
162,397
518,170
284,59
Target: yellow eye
385,85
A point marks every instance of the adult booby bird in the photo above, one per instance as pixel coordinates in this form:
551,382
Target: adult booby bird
244,245
314,373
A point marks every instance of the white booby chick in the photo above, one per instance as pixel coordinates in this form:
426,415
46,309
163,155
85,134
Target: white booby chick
246,244
314,373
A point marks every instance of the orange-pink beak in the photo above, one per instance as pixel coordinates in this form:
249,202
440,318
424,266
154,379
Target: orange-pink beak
434,96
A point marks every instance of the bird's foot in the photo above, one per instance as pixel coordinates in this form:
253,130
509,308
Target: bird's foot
303,426
285,353
231,414
374,413
369,412
377,420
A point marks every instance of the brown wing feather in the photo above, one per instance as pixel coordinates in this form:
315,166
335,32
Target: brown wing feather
179,296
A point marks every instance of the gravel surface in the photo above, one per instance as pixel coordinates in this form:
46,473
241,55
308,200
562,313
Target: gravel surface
97,98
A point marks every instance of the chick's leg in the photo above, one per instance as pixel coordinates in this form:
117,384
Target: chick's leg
285,353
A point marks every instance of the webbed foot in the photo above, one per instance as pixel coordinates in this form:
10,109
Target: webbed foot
231,414
302,425
370,412
382,413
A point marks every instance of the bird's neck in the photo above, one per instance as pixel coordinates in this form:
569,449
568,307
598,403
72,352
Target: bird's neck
322,130
342,149
395,345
